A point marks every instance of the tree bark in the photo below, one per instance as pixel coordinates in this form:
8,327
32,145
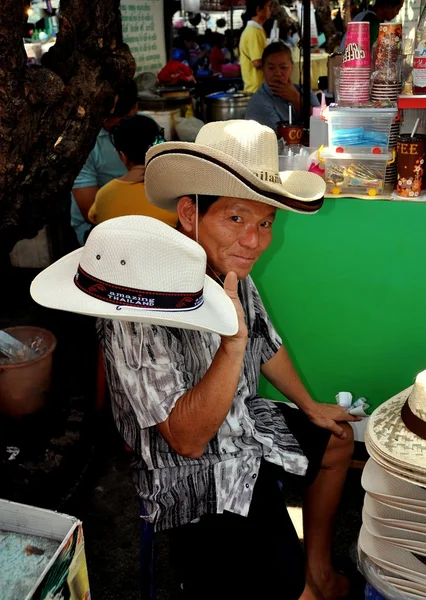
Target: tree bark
332,36
51,114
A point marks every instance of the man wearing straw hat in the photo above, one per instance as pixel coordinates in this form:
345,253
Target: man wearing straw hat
211,457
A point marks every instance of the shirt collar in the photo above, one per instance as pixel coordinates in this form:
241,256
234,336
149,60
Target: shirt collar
255,24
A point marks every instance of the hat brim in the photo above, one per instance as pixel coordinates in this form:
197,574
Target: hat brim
54,288
393,516
393,441
391,557
377,481
176,169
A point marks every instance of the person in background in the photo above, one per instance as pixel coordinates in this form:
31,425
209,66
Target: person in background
271,103
381,11
132,138
253,43
102,165
217,57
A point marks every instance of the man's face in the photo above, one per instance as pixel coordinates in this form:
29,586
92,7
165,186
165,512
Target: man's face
234,232
278,68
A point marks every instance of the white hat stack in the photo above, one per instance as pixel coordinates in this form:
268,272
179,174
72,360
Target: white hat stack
393,535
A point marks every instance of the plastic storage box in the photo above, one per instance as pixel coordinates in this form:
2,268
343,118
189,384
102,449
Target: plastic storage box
355,170
360,126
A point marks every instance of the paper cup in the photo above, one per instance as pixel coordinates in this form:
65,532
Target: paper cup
357,49
410,152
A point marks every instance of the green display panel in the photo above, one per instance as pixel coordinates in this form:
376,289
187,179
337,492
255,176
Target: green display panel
346,289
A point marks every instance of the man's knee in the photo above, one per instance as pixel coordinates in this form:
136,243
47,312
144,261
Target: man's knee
339,451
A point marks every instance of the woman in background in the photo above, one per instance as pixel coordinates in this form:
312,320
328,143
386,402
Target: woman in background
132,138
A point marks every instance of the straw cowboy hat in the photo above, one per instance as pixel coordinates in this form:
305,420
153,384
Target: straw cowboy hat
229,158
136,268
396,434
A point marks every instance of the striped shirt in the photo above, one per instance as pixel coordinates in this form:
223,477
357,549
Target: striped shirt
148,369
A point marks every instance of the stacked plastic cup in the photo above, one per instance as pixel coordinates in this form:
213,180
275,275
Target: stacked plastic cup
354,84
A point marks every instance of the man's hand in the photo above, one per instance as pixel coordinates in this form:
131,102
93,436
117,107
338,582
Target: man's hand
328,416
239,340
286,91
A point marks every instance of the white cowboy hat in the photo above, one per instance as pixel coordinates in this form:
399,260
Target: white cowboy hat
229,158
393,516
392,558
396,433
385,487
414,541
137,268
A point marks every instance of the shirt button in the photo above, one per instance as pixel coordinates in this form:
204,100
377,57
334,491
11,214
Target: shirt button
254,476
247,485
239,392
223,451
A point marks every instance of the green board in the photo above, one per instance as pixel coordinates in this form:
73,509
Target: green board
346,289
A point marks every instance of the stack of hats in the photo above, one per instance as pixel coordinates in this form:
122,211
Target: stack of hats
387,79
393,535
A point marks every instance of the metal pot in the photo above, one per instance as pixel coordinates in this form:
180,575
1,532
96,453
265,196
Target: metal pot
222,106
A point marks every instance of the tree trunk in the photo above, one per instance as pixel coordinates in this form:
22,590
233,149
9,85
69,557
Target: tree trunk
345,11
50,115
323,14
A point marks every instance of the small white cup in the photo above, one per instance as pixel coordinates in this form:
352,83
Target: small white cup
344,399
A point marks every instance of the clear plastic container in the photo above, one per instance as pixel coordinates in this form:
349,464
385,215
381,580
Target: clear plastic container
355,170
360,126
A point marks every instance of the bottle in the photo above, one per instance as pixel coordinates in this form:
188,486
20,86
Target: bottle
318,128
419,64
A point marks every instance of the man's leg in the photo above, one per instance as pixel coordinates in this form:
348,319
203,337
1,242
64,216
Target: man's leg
229,557
319,510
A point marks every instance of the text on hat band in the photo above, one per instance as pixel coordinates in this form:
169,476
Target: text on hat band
136,298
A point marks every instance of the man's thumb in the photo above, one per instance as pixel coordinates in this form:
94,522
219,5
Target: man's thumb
230,285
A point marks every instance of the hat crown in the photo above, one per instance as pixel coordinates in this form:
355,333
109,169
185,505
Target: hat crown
117,253
253,145
417,398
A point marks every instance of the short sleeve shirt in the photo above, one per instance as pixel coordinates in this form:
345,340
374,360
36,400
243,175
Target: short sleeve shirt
102,165
268,109
252,45
148,369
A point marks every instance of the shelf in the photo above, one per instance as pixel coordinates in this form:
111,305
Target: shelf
412,101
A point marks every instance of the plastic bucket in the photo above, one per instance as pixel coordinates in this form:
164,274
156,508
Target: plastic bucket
24,386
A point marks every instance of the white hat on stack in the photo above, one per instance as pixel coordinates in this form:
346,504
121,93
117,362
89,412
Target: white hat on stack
396,433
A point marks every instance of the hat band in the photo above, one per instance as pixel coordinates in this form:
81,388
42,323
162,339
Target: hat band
135,298
413,422
308,206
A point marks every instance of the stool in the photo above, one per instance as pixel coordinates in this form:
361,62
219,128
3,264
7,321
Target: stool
147,559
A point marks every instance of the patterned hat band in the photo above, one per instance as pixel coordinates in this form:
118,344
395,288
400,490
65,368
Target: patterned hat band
135,298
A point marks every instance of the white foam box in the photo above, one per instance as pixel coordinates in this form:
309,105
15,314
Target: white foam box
41,554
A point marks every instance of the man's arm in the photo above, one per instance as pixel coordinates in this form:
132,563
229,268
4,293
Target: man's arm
279,371
199,412
85,197
257,64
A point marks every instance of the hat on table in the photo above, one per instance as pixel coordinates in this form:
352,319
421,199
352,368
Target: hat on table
137,268
396,433
229,158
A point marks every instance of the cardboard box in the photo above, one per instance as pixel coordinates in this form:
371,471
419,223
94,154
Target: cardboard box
42,555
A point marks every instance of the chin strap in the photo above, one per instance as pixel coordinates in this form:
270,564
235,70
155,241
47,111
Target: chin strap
196,218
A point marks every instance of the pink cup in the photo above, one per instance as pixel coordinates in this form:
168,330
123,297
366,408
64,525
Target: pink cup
357,48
